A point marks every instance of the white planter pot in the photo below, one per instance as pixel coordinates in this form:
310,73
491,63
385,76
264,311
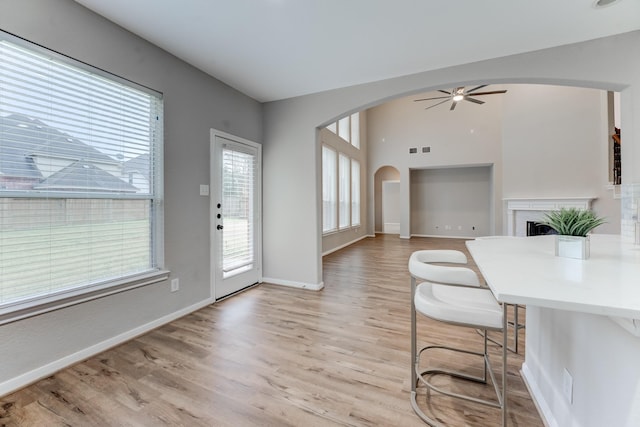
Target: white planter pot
572,246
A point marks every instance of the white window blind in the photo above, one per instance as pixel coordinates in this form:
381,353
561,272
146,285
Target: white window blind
355,192
329,189
80,177
238,176
344,191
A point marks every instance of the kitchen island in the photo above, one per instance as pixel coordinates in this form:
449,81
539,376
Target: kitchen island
582,360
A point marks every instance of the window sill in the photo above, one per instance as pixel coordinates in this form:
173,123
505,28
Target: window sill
24,309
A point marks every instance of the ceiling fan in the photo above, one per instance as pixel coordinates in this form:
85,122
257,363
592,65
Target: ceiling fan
459,94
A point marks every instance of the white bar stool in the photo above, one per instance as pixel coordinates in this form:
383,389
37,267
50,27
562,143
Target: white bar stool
452,294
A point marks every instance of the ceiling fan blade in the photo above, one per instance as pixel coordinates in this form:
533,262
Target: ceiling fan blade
428,99
477,101
453,105
490,92
444,91
435,105
476,88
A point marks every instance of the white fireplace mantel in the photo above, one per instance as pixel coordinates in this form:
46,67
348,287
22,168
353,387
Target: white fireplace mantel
521,210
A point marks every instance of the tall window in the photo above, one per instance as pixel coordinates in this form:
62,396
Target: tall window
329,189
341,175
355,192
80,178
355,130
344,191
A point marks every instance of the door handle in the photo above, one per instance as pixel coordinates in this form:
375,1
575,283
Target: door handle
219,227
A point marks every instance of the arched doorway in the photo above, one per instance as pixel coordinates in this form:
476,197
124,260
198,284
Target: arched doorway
387,200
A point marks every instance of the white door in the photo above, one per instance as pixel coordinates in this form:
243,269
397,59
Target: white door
235,214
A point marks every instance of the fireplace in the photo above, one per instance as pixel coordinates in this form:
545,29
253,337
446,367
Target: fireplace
535,228
519,212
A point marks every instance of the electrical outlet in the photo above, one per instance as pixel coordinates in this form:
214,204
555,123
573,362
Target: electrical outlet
447,227
567,385
459,227
204,190
175,285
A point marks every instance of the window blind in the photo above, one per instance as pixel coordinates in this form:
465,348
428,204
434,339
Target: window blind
344,191
329,189
80,176
238,174
355,192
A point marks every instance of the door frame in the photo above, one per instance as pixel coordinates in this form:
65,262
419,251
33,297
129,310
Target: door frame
213,182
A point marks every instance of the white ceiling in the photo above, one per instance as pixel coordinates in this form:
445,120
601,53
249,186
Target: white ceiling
276,49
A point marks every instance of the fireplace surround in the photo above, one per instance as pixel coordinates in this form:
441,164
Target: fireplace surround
520,211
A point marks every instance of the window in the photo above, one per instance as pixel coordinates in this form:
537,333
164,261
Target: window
329,189
333,127
344,193
355,192
340,191
355,130
344,128
347,128
341,174
80,180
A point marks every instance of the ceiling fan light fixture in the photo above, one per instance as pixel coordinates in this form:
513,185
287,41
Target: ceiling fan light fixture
459,94
599,4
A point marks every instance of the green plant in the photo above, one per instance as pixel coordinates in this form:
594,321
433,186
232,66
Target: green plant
573,221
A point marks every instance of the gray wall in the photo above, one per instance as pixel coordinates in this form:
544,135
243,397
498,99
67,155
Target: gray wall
555,144
194,103
451,202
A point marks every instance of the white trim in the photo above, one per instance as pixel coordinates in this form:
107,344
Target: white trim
538,399
292,284
330,251
74,296
443,237
41,372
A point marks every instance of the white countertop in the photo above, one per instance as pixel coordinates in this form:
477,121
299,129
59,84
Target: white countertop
525,270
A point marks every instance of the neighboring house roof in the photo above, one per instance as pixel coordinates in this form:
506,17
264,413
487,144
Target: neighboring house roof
83,176
138,164
22,138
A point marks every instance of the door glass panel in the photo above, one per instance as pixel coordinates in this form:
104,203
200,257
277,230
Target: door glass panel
238,169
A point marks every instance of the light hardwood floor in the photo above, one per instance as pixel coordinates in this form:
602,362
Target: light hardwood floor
274,356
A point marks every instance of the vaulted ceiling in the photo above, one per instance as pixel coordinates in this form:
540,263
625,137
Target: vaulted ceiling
277,49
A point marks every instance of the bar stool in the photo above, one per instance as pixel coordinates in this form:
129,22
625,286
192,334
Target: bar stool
452,294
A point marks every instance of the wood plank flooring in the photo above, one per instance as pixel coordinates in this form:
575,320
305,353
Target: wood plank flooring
275,356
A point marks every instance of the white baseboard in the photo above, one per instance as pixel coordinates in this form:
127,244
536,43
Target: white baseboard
49,369
294,284
443,237
538,399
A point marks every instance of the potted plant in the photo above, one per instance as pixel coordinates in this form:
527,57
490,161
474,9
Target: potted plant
573,227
